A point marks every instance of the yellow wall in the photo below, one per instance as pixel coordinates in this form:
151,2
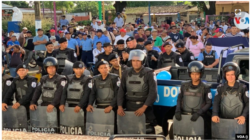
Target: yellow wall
230,7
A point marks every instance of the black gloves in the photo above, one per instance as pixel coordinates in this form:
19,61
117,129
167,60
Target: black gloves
178,116
195,116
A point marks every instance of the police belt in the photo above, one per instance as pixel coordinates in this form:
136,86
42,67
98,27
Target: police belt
136,102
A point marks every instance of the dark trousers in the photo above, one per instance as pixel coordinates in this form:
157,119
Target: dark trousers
87,56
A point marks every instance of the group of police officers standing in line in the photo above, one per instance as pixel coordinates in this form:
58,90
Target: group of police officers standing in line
136,91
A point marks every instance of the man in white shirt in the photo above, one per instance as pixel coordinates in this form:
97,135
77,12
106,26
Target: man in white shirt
97,51
119,21
93,23
211,25
123,36
99,25
224,26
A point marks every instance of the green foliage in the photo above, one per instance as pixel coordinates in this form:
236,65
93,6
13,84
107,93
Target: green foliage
84,22
19,4
65,6
152,3
5,23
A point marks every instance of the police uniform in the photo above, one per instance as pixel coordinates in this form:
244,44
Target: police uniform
23,89
186,56
166,60
76,89
151,63
208,58
104,91
119,52
62,55
121,68
51,89
138,89
6,83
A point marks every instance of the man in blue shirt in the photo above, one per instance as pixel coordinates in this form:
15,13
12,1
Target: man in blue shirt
63,21
86,44
72,43
174,35
11,43
209,57
40,40
100,38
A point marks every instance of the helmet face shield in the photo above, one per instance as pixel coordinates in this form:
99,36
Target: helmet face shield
136,55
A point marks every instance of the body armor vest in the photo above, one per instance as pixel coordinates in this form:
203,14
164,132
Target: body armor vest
105,91
208,59
48,89
21,88
61,57
192,99
75,89
231,103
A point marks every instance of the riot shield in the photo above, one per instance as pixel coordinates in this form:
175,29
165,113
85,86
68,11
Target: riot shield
100,123
72,123
43,122
68,68
187,129
15,119
131,124
227,128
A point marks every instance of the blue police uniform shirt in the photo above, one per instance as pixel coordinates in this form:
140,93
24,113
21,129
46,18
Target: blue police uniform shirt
86,44
72,43
103,39
201,56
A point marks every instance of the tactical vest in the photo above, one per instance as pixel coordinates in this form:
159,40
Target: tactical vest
231,103
4,79
192,98
208,59
75,89
48,89
61,57
105,91
21,88
184,57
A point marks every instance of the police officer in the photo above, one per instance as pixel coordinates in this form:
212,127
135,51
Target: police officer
186,55
104,89
152,55
77,88
50,86
64,53
232,98
6,82
209,57
169,58
195,97
120,50
139,87
116,67
24,86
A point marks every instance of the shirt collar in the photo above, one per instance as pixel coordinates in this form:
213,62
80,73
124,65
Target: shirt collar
23,78
236,85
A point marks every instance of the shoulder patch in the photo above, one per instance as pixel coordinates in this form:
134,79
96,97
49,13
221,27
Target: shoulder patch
75,55
90,84
209,95
155,77
192,57
247,94
33,84
180,59
216,92
63,83
8,82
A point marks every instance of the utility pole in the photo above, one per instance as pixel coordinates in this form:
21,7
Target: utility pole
54,3
38,22
103,11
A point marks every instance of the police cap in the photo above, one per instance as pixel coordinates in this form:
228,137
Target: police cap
121,41
79,64
112,56
130,39
101,63
21,66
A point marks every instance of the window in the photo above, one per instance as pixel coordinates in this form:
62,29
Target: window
244,70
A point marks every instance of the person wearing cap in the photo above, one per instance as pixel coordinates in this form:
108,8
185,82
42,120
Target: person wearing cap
158,40
86,45
99,24
152,55
74,35
209,57
52,32
123,36
116,67
73,23
231,100
109,34
148,33
64,53
119,21
23,86
61,34
9,47
148,27
72,43
22,35
120,49
50,87
40,40
174,35
55,43
100,38
28,47
77,89
97,51
195,98
140,34
138,89
63,21
186,55
219,33
6,83
154,48
169,58
105,87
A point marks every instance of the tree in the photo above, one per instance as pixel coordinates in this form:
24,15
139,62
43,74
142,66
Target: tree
18,4
152,3
202,6
65,6
119,6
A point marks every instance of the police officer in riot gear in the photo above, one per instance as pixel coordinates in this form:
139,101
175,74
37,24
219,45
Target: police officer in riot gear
139,87
77,88
6,82
232,98
23,85
195,97
50,86
104,88
65,56
186,55
116,67
169,58
209,57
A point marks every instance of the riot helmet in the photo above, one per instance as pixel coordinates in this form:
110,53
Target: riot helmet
50,61
137,55
231,66
196,66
